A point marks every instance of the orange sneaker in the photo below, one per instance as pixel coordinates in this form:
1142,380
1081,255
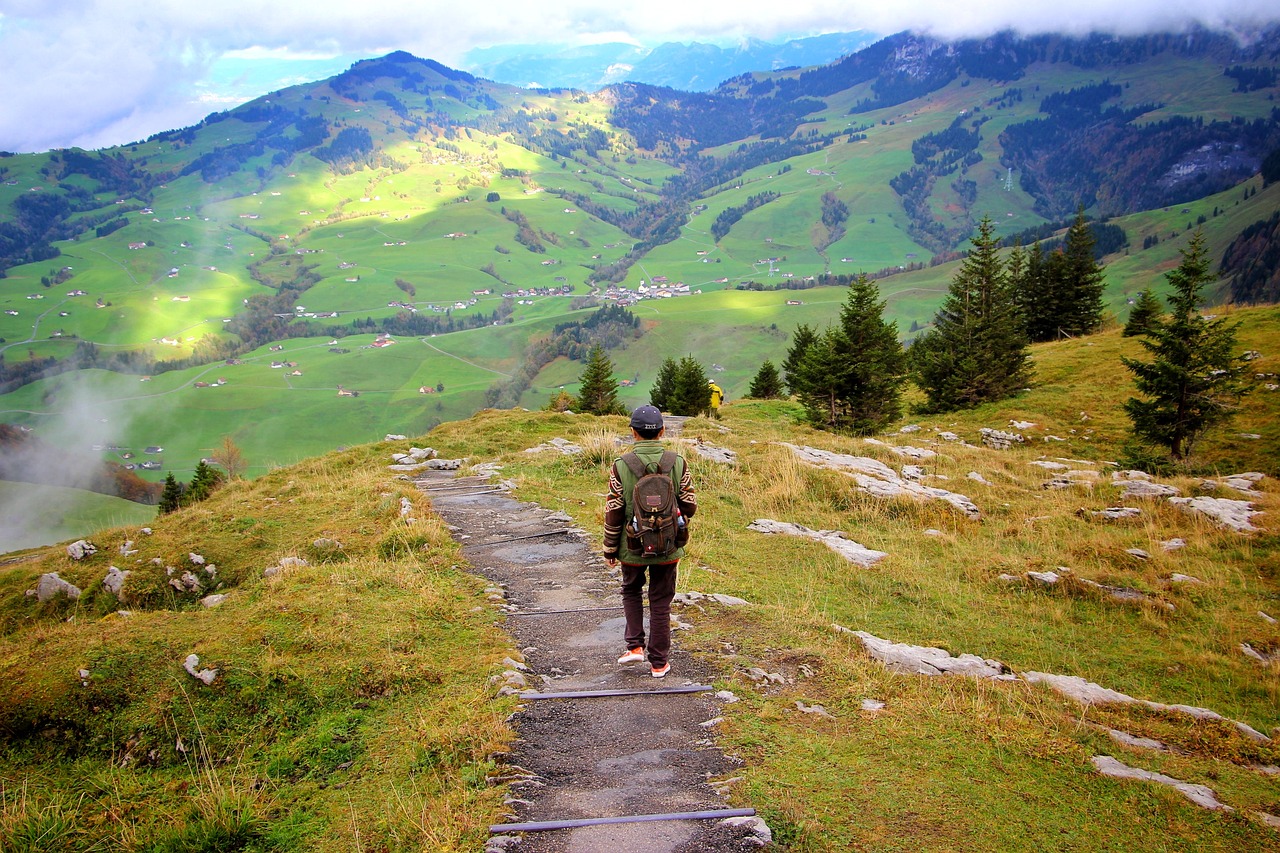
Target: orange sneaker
632,656
660,671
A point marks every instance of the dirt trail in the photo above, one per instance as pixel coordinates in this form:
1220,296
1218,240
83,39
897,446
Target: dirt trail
590,758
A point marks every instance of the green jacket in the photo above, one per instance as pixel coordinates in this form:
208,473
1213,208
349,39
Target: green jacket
618,510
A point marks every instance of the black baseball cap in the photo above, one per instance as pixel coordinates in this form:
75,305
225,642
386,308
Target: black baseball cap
646,419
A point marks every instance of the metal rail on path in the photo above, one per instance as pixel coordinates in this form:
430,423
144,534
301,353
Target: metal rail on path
596,694
539,825
516,539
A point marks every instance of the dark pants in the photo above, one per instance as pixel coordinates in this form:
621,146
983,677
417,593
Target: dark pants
662,588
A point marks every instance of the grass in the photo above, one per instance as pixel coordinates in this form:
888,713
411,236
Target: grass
352,709
351,703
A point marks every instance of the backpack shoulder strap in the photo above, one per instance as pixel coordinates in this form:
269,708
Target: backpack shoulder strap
634,463
667,462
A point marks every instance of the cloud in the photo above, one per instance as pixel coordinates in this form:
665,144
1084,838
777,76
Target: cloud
96,72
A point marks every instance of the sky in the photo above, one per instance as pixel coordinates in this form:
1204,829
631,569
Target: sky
93,73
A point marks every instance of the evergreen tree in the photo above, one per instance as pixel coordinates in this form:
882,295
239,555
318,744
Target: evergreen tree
977,350
801,340
852,374
1059,294
598,394
171,497
203,482
767,384
1146,312
1193,381
664,386
1082,280
690,394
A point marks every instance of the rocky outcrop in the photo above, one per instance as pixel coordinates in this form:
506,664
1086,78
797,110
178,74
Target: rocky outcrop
999,439
1202,795
80,549
1231,514
925,660
51,586
879,480
833,539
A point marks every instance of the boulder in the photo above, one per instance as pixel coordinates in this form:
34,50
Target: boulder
1231,514
1145,489
50,586
80,549
1112,513
114,581
999,439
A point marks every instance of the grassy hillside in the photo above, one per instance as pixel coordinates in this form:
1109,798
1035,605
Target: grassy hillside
352,704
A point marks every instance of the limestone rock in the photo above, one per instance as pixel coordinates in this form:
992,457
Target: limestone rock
1089,693
393,437
444,464
872,705
1126,739
1145,489
1201,795
560,445
186,583
213,600
723,455
978,478
1231,514
1138,552
196,559
879,480
1173,544
1044,578
114,581
925,660
999,439
833,539
1112,513
816,710
1022,425
761,835
80,549
1048,465
1178,577
192,664
51,585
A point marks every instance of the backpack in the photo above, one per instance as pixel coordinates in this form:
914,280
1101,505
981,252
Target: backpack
657,528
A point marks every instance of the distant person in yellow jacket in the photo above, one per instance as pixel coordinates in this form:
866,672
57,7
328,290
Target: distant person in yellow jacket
717,397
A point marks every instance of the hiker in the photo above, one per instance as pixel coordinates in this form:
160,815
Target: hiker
717,397
661,560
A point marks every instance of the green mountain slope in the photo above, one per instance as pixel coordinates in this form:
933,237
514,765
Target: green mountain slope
464,217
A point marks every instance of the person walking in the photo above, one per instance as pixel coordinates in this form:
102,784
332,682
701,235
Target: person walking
717,397
619,513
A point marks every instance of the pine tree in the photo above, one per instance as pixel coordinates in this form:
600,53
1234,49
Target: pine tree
203,482
977,350
1193,381
171,497
852,374
664,385
598,391
801,340
1146,312
1059,294
767,384
1083,281
690,394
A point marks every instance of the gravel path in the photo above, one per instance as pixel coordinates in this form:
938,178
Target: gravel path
590,758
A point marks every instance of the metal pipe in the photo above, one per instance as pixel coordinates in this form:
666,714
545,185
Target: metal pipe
557,612
538,825
596,694
516,538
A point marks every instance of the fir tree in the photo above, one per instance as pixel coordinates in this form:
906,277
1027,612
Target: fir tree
171,497
1059,294
598,391
1145,314
664,385
767,384
977,350
203,482
690,394
1083,281
801,340
1193,381
851,376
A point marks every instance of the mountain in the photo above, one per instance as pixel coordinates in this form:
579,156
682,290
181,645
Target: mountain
405,243
692,67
